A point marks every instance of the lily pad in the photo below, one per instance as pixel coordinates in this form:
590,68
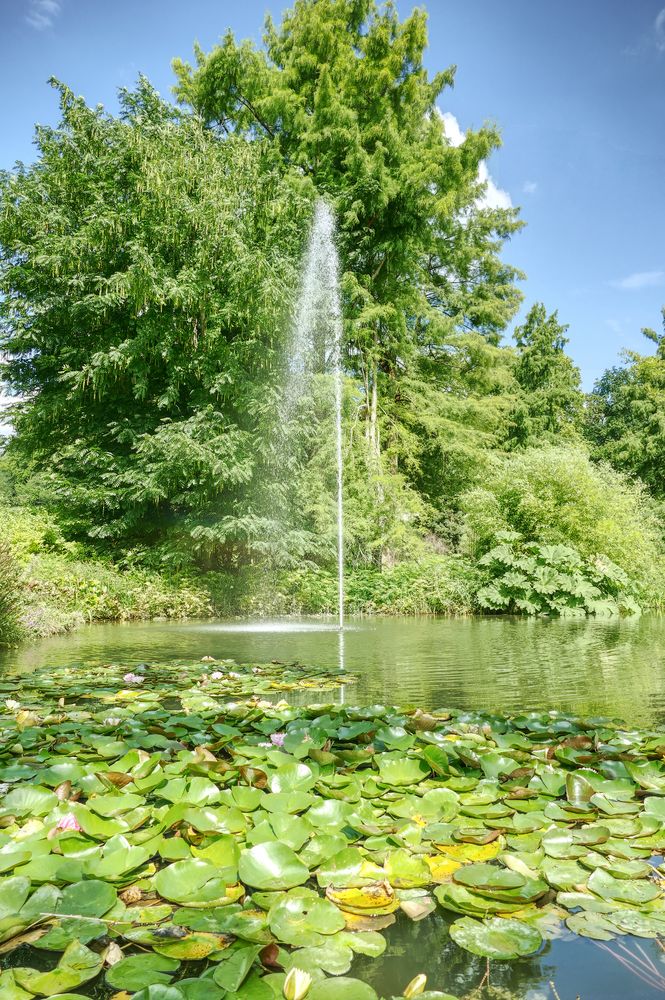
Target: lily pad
496,937
304,921
138,971
271,866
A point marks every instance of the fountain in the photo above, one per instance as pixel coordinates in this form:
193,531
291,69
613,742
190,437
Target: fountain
316,343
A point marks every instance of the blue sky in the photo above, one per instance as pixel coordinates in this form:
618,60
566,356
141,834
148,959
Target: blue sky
577,89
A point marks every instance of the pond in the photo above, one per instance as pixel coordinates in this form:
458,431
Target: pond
614,668
502,665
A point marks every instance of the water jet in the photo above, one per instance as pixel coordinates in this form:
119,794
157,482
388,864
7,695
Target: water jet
317,338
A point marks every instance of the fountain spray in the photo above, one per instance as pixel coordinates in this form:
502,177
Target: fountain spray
318,324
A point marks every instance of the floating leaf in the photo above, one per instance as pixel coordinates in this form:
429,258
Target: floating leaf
496,938
137,971
272,866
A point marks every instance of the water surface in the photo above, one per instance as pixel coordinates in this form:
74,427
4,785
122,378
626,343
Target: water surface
614,668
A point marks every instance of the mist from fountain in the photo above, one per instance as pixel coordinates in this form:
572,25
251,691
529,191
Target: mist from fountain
316,346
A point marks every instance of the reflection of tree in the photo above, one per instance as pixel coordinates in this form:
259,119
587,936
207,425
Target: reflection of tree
608,667
425,946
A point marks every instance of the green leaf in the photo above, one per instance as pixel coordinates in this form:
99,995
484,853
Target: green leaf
138,971
271,866
496,937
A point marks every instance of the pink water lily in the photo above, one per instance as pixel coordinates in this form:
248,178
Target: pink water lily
133,679
68,822
216,675
277,739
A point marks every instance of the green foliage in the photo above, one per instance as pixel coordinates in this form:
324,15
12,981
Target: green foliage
625,415
535,579
145,285
557,496
549,403
340,93
433,585
63,593
9,594
57,588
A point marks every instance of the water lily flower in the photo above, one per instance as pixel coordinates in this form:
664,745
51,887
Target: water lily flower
133,679
12,705
277,739
112,721
297,984
68,822
4,787
416,986
216,675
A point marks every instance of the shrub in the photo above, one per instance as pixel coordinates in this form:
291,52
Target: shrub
527,577
10,588
557,496
435,585
94,592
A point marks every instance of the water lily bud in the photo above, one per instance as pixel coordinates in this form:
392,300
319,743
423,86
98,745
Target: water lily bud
416,986
297,984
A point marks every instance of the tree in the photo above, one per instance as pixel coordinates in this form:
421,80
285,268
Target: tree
626,416
555,495
146,274
340,92
549,401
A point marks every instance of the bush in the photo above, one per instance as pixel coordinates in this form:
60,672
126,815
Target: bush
552,580
435,585
557,496
10,587
76,591
57,589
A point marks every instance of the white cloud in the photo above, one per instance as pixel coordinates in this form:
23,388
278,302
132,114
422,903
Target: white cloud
530,187
640,279
659,29
42,13
494,197
454,133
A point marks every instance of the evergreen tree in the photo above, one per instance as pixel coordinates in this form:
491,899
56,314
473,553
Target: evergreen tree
340,92
145,280
626,416
549,398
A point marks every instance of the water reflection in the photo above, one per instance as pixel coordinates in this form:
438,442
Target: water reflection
504,665
576,966
606,667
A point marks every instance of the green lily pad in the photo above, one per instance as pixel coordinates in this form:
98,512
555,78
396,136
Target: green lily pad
183,880
271,866
138,971
159,992
77,965
398,769
496,937
90,898
304,921
623,890
231,973
29,800
341,989
485,876
591,925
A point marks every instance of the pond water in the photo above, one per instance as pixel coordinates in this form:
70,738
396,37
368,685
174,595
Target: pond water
498,664
614,668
